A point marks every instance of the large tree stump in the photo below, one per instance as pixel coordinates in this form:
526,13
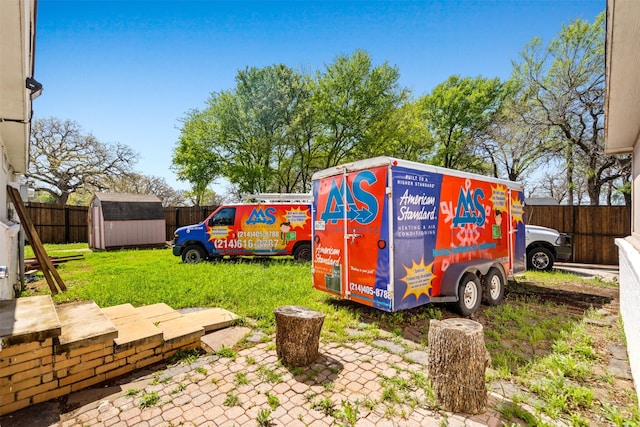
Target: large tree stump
457,362
297,334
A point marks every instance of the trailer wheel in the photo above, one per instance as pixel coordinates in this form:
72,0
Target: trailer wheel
469,294
493,287
302,252
193,254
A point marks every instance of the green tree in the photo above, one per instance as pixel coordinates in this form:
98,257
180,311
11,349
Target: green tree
458,113
353,98
194,159
208,198
258,126
403,133
277,126
565,85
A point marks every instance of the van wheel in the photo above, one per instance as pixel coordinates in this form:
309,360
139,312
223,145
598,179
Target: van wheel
469,294
193,254
302,252
540,259
493,287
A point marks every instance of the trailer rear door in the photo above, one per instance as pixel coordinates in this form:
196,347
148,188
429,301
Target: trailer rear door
351,236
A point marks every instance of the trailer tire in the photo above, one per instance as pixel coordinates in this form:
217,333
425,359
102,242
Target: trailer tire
302,252
494,287
469,294
193,254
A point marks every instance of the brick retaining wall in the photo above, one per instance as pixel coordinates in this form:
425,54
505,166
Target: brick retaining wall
47,352
32,373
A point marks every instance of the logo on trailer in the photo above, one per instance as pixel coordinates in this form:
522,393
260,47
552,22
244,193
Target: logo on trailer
262,216
355,195
470,209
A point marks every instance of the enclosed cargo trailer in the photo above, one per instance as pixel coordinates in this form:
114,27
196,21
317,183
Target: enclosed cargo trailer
394,234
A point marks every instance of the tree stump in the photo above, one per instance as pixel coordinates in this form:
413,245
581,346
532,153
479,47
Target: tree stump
457,362
297,335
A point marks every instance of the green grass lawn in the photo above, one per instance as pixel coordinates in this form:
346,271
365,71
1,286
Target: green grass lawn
247,287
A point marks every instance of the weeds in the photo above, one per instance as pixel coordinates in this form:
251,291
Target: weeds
225,351
513,410
231,400
241,378
264,418
179,388
324,405
186,357
272,400
269,375
149,399
132,392
347,414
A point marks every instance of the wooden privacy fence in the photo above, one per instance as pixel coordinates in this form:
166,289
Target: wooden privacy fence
59,224
177,217
593,228
68,224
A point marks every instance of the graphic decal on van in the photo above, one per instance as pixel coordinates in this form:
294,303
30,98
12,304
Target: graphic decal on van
262,230
297,217
260,215
218,232
499,198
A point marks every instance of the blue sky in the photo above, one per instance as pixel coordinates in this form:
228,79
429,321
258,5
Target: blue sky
127,71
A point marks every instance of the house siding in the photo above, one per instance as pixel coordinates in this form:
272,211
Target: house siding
629,303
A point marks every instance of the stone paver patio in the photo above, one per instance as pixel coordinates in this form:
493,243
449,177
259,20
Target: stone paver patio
350,382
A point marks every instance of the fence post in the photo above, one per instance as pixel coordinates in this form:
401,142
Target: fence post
67,233
574,217
177,217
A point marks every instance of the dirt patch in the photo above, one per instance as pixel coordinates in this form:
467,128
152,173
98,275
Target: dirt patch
569,299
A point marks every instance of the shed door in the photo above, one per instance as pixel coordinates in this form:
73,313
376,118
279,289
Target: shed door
97,228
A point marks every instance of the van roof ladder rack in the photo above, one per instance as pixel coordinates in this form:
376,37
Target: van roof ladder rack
277,197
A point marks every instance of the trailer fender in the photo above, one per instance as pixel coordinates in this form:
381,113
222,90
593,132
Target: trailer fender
454,273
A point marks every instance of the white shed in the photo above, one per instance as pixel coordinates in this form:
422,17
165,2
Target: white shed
118,220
